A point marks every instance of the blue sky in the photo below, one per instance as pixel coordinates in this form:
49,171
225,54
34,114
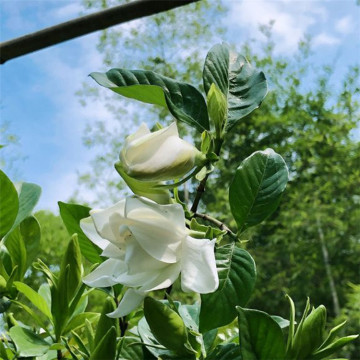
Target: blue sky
38,90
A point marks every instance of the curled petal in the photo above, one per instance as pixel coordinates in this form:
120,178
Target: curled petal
105,274
88,227
130,301
198,266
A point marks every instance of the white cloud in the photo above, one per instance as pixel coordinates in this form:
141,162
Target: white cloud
291,19
325,39
69,10
345,25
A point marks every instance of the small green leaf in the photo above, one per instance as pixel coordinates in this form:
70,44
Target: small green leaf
256,189
36,299
283,323
31,234
237,275
132,352
243,86
260,337
9,204
226,352
79,320
27,343
71,215
105,323
183,100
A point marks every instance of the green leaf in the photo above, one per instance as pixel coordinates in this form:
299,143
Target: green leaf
260,337
243,86
71,215
226,352
9,204
28,343
237,275
17,250
105,323
31,234
134,352
256,189
217,108
79,320
29,195
106,348
333,347
283,323
183,100
36,299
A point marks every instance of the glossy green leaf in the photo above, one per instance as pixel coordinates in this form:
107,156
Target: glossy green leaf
256,189
36,299
105,323
17,251
71,215
260,337
29,195
28,343
134,352
31,234
237,275
9,204
243,86
226,352
106,348
183,100
79,320
283,323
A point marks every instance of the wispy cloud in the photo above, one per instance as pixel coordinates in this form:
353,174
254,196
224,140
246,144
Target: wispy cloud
345,25
325,39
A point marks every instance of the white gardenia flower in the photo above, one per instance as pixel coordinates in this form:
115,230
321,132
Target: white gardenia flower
148,246
160,155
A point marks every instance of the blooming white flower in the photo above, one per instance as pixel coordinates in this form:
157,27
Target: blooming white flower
148,247
160,155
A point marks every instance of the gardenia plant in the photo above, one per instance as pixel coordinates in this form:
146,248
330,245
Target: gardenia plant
141,245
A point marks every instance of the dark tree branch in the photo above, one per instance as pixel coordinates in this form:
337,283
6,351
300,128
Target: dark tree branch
84,25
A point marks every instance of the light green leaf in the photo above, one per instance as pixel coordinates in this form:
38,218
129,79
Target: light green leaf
79,320
106,348
71,215
256,189
237,275
260,337
225,352
9,204
29,195
31,234
134,352
183,100
36,299
28,343
217,108
283,323
17,250
243,86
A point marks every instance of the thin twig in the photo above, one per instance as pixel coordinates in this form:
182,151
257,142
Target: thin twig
217,223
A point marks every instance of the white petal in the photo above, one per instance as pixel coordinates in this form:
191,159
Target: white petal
140,132
157,228
108,221
198,266
88,227
113,251
105,274
130,301
164,279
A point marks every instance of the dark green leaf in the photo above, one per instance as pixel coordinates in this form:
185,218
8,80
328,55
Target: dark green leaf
106,348
134,352
226,352
243,86
9,204
183,100
17,250
105,323
71,215
28,343
260,337
29,195
79,320
31,233
256,189
237,275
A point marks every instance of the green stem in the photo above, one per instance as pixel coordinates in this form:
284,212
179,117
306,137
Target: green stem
218,223
201,188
